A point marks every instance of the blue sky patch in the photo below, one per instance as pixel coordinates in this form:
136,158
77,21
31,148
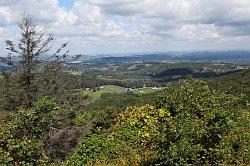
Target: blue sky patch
67,4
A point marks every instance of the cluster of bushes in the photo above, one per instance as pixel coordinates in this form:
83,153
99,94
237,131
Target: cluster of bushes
22,133
191,125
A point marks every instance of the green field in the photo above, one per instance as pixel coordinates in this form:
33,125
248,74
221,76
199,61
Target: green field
116,89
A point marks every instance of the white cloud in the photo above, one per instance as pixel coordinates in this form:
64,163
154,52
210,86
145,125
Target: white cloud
198,32
42,10
4,33
164,15
113,23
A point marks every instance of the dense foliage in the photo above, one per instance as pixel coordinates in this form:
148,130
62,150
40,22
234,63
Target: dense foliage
22,134
191,125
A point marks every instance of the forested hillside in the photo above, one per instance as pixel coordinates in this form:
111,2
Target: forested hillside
235,83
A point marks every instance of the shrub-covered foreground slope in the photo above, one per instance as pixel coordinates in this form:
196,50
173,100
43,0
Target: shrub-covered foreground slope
185,124
191,125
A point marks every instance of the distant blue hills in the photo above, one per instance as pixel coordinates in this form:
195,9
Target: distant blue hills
105,59
227,56
6,68
192,56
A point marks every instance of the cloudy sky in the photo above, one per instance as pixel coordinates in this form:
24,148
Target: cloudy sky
130,26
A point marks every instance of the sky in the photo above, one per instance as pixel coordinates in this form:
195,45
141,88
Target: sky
134,26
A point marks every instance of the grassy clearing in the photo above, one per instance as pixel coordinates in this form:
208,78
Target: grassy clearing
107,89
116,89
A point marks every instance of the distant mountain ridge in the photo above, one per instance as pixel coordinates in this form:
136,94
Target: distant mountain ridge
228,56
5,68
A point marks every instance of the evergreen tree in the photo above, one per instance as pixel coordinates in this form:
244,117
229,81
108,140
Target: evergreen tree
34,42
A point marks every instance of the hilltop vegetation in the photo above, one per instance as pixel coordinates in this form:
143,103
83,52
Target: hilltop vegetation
185,124
190,125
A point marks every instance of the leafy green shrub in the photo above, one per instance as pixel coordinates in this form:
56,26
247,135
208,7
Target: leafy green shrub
80,119
21,140
102,114
129,140
211,127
